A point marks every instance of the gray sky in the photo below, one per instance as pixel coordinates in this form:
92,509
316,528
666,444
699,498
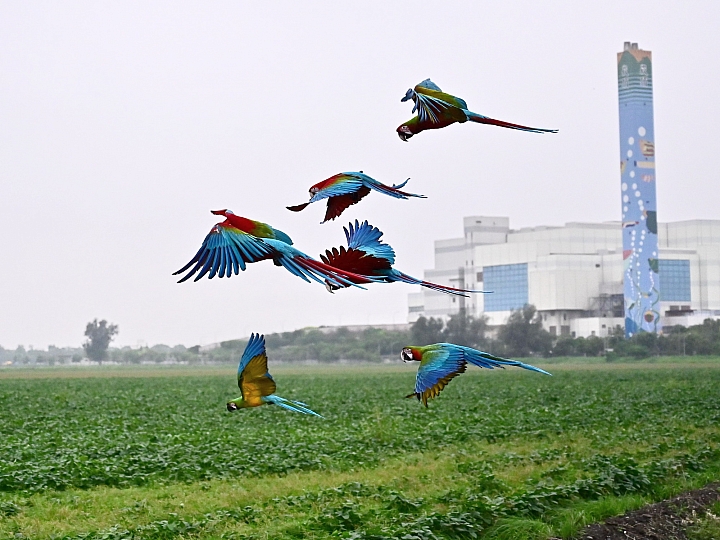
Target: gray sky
123,123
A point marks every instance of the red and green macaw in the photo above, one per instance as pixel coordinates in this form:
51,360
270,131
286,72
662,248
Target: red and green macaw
346,189
436,110
442,362
238,240
367,256
256,384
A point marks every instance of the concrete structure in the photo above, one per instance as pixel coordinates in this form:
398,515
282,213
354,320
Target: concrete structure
638,200
572,274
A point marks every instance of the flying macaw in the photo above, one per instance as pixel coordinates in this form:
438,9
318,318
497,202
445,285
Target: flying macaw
346,189
367,256
256,384
436,110
442,362
237,240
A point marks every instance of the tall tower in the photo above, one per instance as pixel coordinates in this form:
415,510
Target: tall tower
639,205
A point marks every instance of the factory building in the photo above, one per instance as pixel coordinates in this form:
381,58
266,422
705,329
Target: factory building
572,274
588,278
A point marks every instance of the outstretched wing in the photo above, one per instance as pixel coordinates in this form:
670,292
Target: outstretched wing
335,186
225,251
365,237
338,204
431,103
365,253
439,365
254,379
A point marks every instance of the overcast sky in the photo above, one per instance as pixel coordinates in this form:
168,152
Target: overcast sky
122,124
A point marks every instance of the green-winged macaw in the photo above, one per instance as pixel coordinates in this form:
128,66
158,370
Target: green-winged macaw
442,362
367,256
237,240
436,110
257,385
346,189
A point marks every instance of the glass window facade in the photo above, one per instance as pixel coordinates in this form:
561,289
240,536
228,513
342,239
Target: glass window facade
509,283
674,280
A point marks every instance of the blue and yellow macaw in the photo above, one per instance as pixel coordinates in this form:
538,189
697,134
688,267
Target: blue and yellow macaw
367,256
436,110
257,385
345,189
237,240
442,362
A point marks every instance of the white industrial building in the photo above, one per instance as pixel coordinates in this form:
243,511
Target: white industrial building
571,274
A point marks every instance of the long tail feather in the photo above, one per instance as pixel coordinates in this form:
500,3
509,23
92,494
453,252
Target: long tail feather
298,207
487,360
296,406
393,191
400,276
480,119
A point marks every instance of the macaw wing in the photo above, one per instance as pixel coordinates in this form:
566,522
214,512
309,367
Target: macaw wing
355,261
435,92
365,237
225,251
437,368
432,104
427,83
339,203
254,379
342,184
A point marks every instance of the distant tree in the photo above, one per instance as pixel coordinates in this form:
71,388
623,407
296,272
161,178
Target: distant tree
565,346
99,335
426,331
523,333
464,329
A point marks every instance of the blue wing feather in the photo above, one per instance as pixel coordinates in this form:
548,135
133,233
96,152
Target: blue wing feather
255,346
366,238
427,83
347,186
436,365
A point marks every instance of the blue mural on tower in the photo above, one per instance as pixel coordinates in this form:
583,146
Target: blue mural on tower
639,205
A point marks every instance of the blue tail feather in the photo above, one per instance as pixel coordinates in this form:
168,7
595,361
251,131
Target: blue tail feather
296,406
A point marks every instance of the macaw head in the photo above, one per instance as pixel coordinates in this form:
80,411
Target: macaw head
408,95
404,132
407,355
224,212
232,405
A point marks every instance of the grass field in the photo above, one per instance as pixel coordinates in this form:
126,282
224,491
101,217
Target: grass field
116,453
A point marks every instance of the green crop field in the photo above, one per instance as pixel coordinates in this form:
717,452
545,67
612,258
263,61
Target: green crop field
115,454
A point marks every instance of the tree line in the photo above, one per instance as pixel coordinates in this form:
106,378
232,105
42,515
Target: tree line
521,336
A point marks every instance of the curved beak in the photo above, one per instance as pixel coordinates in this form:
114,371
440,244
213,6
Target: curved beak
403,136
